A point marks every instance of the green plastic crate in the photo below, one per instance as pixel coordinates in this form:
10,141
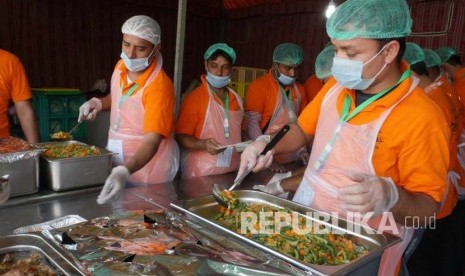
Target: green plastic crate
54,102
57,109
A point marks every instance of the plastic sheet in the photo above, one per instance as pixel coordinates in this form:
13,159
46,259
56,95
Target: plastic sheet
101,247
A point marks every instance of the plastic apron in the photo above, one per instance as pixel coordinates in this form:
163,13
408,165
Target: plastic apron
351,152
285,112
199,162
126,134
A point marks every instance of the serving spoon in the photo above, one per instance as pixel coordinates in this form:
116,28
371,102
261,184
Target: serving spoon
218,190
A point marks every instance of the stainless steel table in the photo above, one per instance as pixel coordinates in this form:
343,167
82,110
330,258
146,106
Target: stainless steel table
47,205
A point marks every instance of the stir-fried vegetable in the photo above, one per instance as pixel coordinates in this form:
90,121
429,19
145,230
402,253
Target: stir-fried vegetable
61,135
70,150
230,197
312,246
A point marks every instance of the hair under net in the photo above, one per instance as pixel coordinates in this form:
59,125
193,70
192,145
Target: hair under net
445,53
431,58
375,19
413,53
143,27
323,62
288,54
223,47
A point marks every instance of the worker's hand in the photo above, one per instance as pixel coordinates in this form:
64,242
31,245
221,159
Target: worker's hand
274,185
370,193
89,109
251,158
211,146
304,155
276,167
114,185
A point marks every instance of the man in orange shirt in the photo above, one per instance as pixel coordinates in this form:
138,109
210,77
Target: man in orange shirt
372,152
142,112
210,118
323,63
276,99
445,237
14,87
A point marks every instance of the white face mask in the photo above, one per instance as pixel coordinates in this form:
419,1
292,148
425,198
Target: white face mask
136,64
217,81
348,73
283,79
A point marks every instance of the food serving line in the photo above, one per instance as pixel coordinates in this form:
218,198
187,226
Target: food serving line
190,199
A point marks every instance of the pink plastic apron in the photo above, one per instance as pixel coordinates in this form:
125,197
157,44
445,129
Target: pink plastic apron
285,112
201,163
351,152
126,121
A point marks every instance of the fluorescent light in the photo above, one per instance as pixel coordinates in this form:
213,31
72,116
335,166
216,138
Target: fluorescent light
330,9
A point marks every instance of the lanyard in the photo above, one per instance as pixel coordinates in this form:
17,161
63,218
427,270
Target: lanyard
127,95
346,116
288,102
226,113
121,100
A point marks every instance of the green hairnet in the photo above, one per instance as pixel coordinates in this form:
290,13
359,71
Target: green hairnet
431,58
323,62
375,19
223,47
288,54
445,53
413,53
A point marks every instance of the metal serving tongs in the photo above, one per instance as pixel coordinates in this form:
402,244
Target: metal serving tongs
218,190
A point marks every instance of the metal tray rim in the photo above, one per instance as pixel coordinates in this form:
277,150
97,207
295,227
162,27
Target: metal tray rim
389,239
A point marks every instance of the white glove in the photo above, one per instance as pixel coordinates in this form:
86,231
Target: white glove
89,109
370,194
5,189
114,185
274,185
251,158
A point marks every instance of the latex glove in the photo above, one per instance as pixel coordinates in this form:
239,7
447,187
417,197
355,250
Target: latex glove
114,185
304,155
370,194
251,158
89,109
274,185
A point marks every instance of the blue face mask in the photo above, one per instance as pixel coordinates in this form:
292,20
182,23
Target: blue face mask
285,80
136,64
216,81
348,73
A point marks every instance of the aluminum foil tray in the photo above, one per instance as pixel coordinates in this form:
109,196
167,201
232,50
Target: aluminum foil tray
58,259
52,224
204,209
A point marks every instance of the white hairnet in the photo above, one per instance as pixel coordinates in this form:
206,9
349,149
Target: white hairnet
143,27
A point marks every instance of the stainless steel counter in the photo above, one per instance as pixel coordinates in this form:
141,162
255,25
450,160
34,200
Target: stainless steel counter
47,205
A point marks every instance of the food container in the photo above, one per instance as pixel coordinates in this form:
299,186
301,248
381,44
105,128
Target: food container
23,169
62,174
204,209
52,224
51,255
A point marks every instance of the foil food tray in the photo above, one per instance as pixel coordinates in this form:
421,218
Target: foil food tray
60,262
52,224
204,209
76,172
